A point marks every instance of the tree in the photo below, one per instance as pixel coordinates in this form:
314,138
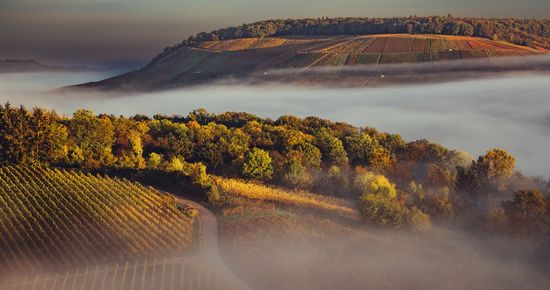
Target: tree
482,178
27,137
528,212
378,204
128,142
332,148
497,163
258,164
170,139
296,174
93,136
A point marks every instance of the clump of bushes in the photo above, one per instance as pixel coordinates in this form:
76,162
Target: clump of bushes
380,206
196,171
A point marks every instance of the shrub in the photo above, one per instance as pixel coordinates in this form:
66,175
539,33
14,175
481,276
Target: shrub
418,220
154,161
296,174
381,210
175,164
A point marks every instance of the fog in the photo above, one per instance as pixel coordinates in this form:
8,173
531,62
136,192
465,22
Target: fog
511,112
376,259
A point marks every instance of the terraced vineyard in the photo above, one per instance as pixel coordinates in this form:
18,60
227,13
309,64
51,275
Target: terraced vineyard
53,219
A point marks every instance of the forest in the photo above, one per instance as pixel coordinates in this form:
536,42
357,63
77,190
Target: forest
393,182
529,32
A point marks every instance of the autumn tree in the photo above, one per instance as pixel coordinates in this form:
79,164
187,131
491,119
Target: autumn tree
91,138
258,164
528,212
128,142
332,148
485,175
36,136
497,163
378,204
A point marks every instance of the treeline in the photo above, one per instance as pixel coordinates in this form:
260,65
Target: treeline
532,32
396,182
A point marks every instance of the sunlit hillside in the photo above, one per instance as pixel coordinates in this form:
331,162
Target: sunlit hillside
58,219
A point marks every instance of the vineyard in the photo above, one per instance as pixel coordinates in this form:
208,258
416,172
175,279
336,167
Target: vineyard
158,273
342,50
249,57
54,219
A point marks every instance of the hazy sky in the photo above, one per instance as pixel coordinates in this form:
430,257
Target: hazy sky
88,31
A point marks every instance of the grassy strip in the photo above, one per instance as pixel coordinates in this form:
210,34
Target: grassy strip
251,190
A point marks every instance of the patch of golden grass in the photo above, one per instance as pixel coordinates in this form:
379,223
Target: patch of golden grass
298,198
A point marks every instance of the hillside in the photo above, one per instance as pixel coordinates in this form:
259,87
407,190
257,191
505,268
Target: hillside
296,59
294,204
52,219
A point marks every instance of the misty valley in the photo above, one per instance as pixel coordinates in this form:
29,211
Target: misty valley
322,153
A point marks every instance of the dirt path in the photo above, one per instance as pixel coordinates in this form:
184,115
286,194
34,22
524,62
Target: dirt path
209,246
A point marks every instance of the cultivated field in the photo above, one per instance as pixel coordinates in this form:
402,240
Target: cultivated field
53,219
254,59
158,273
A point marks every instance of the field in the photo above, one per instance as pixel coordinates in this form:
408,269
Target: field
53,219
162,273
246,58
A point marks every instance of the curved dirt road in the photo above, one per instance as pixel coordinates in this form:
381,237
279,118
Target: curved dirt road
209,246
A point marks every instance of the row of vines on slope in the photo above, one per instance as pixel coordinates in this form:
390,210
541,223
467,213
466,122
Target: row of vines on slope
52,218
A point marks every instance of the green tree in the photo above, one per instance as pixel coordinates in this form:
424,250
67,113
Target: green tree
94,136
332,148
296,174
170,139
258,164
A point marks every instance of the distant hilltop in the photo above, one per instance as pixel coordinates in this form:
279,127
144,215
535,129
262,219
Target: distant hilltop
357,52
526,32
31,65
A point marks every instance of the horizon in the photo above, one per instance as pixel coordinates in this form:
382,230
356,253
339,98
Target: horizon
93,32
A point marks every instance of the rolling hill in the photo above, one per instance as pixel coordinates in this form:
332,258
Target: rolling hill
297,59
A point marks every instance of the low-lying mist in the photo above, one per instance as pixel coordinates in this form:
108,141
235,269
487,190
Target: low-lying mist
376,259
511,112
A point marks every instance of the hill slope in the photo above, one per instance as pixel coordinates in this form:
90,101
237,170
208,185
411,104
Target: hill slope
255,58
56,218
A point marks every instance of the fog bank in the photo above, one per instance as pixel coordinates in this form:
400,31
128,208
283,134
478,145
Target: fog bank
510,112
442,259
